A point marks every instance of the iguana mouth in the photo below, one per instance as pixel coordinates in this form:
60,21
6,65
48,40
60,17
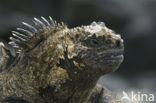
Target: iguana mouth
114,57
111,55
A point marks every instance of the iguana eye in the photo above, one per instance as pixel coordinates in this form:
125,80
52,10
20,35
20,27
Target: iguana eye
94,36
95,42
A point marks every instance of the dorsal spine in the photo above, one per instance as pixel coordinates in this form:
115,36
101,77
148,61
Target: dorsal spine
20,39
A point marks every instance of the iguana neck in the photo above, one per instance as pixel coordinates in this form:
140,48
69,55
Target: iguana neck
75,90
78,87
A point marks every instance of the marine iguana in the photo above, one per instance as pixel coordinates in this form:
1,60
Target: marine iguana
55,64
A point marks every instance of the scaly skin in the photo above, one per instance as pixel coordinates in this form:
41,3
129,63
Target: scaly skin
4,57
59,65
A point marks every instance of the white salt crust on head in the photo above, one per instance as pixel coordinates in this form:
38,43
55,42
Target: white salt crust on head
95,27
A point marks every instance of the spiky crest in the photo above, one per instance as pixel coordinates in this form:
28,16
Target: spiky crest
24,40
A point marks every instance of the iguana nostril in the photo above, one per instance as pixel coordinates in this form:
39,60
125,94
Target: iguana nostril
118,43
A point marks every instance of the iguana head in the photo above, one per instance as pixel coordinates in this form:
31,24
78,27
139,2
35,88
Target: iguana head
94,46
97,47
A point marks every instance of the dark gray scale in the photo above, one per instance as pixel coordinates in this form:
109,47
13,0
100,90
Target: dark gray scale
6,56
3,57
21,38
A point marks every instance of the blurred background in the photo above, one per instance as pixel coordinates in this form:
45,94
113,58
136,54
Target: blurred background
135,20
